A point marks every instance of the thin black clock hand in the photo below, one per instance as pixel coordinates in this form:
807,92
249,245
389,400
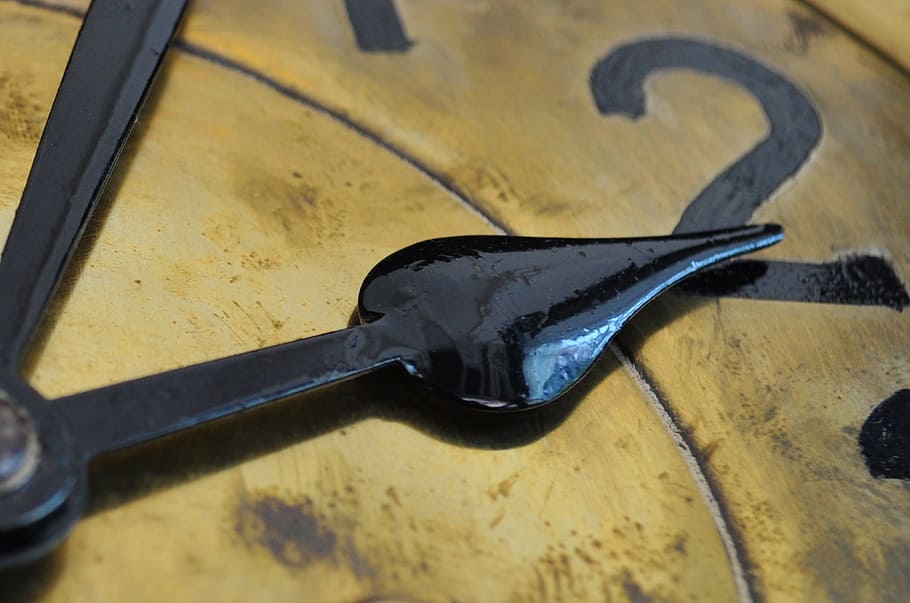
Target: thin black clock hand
115,57
109,73
497,323
127,413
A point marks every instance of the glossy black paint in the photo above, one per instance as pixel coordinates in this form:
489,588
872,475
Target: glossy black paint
131,412
617,87
497,322
885,437
511,322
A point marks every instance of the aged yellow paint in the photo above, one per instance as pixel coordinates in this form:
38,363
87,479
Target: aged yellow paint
495,97
884,23
341,496
239,219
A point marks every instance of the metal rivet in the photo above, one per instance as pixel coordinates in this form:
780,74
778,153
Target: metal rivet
20,449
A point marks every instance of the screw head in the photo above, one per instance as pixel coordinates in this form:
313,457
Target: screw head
20,449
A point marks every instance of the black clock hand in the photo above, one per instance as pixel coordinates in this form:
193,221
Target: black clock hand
498,323
127,413
114,59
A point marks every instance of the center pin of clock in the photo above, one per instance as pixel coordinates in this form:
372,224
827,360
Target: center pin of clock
20,450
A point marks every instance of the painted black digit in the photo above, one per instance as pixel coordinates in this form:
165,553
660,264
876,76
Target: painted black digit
885,438
617,84
377,26
731,198
856,280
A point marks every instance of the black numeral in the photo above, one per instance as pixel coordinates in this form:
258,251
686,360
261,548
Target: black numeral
377,26
731,198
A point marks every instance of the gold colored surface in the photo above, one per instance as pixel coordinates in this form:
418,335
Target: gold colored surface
244,215
884,23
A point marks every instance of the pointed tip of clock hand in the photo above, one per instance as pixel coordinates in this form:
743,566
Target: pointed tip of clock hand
507,323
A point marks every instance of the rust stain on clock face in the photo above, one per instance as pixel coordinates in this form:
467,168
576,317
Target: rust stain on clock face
292,533
298,210
21,117
295,533
806,29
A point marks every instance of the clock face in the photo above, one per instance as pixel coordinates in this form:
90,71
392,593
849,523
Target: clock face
715,453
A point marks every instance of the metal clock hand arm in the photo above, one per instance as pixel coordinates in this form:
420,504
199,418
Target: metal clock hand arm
114,59
128,413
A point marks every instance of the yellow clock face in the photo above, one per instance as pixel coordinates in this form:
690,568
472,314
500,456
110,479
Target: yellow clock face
713,454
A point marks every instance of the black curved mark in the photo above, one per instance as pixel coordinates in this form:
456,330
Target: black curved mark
617,83
731,198
377,26
856,280
885,438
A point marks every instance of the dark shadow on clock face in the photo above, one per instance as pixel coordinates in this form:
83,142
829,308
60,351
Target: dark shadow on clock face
33,581
389,395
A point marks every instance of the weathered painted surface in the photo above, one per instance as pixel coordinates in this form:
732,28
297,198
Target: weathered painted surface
279,160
